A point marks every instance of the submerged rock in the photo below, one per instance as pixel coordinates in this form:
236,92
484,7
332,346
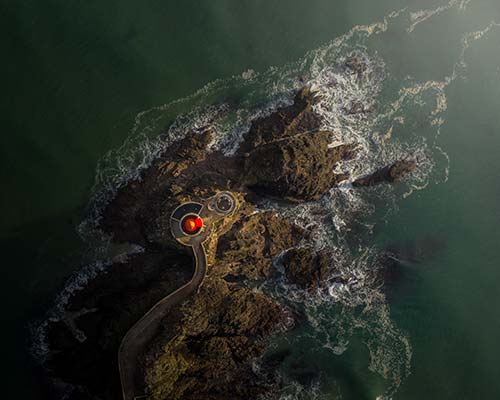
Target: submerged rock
356,64
418,250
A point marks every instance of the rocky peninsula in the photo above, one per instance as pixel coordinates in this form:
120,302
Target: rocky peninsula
208,346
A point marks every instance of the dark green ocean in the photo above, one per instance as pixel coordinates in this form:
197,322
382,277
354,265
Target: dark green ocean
79,79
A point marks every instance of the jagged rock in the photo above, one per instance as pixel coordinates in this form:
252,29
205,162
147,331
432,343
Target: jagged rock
307,268
287,156
294,119
250,246
117,297
208,344
298,167
391,173
223,330
283,155
134,210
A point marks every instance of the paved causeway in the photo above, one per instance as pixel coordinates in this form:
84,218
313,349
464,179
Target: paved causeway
190,224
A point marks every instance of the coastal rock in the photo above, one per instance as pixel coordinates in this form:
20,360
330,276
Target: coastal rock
249,247
388,174
132,214
282,155
210,345
307,268
297,118
298,167
84,343
223,329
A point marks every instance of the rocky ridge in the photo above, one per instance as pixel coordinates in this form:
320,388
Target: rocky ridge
208,346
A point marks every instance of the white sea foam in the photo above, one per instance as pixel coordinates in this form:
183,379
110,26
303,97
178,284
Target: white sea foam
352,285
417,17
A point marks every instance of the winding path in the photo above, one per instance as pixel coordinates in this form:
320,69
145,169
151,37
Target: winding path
144,330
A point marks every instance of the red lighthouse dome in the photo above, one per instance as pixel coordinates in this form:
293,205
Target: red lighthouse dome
192,224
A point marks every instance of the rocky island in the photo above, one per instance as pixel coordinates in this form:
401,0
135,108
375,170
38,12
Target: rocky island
213,345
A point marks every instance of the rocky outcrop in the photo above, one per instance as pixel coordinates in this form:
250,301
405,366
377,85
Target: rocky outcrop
248,249
307,268
299,167
139,212
222,331
389,174
209,346
297,118
84,343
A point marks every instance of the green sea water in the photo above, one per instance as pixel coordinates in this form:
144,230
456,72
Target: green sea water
76,74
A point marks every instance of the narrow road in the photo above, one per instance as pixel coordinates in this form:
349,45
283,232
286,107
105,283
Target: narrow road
141,334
